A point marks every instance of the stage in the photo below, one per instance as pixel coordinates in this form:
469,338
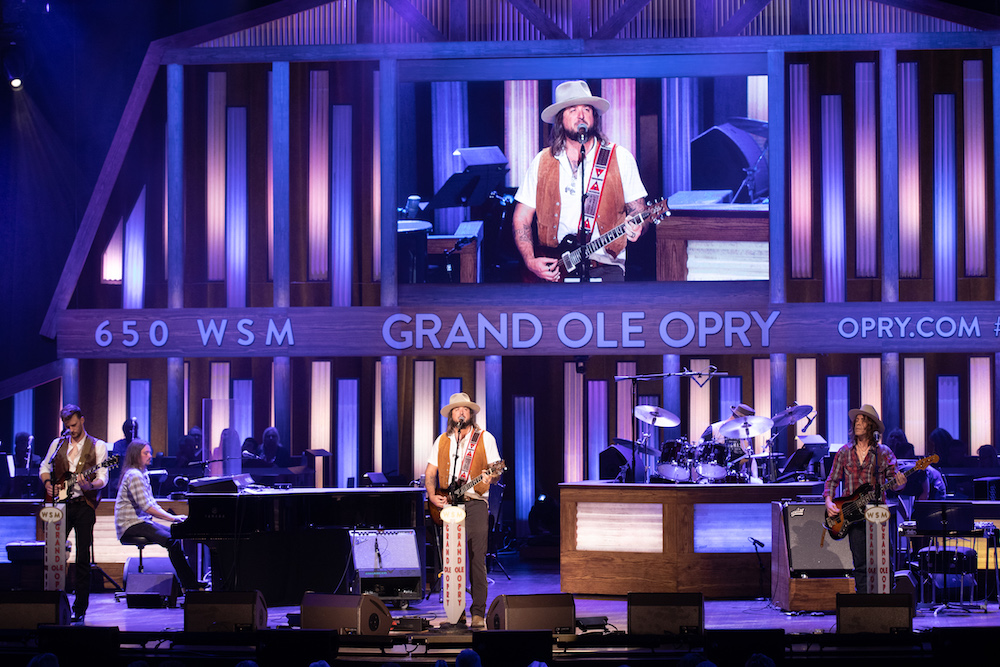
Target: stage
733,628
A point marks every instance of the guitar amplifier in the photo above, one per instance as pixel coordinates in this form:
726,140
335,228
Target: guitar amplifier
387,564
811,550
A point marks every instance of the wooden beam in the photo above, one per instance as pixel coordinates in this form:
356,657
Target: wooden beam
947,12
539,19
741,18
417,20
620,19
102,190
31,379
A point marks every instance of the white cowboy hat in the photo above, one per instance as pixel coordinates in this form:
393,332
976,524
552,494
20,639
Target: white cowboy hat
571,93
871,413
459,400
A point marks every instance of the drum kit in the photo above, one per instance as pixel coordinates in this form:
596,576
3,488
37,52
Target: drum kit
714,461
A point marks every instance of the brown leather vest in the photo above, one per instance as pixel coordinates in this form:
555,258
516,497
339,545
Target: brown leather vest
88,459
547,203
444,463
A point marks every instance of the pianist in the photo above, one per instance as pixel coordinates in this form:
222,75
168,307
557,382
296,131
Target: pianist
135,508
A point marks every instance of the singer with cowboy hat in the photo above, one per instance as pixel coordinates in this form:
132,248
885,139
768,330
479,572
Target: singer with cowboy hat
553,189
462,453
854,465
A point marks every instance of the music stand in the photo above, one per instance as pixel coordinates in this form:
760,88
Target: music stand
813,450
942,519
485,169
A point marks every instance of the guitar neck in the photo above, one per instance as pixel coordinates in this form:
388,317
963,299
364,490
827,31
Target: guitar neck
611,235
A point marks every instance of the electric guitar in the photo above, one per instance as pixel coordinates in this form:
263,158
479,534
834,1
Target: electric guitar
571,254
61,487
457,490
851,509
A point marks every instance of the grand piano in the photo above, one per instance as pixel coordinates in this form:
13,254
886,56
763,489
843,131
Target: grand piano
286,542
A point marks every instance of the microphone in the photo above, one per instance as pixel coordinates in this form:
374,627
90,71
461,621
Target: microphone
809,423
461,425
754,541
581,132
64,433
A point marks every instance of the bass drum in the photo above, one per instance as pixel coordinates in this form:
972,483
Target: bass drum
674,461
712,459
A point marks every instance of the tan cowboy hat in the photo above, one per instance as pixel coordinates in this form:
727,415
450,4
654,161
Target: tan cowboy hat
742,410
459,400
571,93
868,411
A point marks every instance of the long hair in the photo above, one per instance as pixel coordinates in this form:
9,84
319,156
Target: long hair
869,431
558,136
133,458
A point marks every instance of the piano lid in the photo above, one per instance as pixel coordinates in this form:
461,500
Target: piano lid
226,484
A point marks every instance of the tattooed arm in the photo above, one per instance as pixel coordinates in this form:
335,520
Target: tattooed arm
543,267
635,231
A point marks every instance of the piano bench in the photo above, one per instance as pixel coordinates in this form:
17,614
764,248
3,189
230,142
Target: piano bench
137,541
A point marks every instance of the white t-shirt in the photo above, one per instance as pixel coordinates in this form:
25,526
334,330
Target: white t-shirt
485,440
570,202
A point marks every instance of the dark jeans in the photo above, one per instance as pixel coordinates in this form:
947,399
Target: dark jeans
857,533
477,526
81,517
157,534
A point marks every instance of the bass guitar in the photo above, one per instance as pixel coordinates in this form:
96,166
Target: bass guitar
851,509
571,254
61,487
457,490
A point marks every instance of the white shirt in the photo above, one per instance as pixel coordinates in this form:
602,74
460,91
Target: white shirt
100,448
492,456
570,201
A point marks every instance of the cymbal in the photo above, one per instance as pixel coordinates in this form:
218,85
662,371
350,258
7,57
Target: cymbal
656,416
791,415
745,427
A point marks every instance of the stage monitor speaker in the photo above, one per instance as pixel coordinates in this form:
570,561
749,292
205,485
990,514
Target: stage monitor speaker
152,590
666,613
555,612
612,460
811,551
26,610
347,614
513,648
224,611
986,488
874,613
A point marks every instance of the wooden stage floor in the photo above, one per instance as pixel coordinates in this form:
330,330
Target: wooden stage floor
748,623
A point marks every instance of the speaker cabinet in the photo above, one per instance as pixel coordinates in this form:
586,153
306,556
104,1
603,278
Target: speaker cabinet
555,612
880,614
808,552
152,590
223,611
347,614
26,610
666,613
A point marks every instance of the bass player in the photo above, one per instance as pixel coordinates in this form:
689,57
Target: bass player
465,451
553,189
854,465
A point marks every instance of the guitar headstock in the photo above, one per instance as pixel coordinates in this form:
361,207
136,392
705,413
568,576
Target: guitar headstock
657,211
924,462
497,468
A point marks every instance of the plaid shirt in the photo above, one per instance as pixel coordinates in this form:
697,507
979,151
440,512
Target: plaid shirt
135,496
853,474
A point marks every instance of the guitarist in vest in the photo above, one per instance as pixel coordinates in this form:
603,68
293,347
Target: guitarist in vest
462,454
75,451
552,188
854,465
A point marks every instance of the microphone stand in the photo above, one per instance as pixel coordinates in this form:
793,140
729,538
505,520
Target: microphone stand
581,228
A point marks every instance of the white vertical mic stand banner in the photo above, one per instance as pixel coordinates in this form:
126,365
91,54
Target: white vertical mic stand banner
453,573
880,566
53,515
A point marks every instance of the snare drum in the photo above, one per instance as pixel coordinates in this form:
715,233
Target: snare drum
674,461
712,459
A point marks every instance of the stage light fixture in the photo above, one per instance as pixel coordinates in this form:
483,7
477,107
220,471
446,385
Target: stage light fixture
16,83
